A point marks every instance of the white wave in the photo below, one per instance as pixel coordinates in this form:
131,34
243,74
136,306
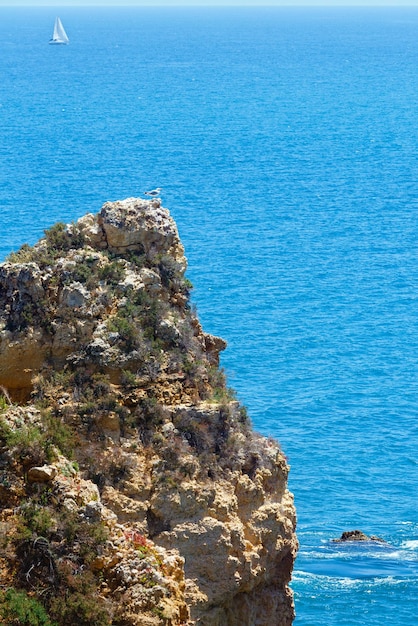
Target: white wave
322,582
406,551
411,544
303,576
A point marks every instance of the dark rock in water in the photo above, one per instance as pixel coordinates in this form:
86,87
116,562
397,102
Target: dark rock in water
357,535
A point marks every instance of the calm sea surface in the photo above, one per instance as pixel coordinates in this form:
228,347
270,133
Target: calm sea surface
286,144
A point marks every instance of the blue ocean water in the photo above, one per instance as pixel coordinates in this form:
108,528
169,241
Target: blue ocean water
285,141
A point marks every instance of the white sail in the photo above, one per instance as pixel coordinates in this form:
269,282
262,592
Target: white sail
59,35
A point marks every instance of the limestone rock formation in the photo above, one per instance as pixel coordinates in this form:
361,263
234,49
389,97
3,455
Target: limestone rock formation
133,490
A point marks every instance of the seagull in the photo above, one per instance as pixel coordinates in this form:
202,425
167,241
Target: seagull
153,192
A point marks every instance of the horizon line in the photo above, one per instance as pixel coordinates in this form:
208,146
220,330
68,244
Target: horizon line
302,5
240,3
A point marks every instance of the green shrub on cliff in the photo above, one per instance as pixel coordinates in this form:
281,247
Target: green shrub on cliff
54,551
35,444
23,255
61,238
58,239
112,273
18,609
79,608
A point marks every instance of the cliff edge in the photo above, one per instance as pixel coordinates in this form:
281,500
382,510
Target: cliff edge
133,490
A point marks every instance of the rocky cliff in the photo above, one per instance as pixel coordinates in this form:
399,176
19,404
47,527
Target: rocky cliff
133,490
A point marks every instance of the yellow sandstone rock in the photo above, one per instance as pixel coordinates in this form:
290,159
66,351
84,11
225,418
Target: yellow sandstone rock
132,480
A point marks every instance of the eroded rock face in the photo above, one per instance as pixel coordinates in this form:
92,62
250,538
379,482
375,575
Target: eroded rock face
45,318
130,433
140,225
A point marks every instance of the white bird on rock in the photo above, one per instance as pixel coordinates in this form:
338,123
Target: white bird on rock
153,193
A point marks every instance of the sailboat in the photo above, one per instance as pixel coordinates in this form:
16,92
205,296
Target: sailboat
59,36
